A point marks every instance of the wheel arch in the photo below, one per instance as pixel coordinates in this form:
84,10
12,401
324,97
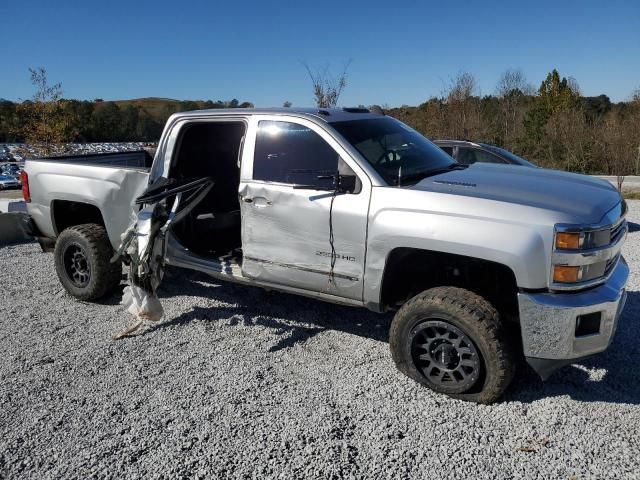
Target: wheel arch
69,213
409,271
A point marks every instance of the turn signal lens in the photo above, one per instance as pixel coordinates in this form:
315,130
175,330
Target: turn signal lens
564,274
568,241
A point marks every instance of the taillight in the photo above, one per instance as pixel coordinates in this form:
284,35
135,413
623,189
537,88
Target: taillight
24,178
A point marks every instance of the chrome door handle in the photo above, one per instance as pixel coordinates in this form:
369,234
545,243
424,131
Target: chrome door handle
262,202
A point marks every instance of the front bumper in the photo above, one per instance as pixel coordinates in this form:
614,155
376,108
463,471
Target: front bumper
549,322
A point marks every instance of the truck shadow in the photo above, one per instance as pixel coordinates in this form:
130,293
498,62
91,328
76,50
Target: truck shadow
293,318
611,377
633,227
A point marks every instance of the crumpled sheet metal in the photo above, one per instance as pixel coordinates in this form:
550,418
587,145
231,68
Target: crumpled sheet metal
141,302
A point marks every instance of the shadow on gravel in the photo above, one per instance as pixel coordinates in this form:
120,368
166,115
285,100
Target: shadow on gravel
296,319
633,227
615,377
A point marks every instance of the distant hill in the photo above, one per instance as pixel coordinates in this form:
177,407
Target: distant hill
161,108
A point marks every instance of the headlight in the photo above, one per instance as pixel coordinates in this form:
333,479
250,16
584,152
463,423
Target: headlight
583,240
567,274
568,240
583,255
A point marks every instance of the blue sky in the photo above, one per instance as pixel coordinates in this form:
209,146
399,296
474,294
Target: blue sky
401,52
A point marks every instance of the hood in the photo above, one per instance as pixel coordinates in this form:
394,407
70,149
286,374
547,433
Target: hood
585,198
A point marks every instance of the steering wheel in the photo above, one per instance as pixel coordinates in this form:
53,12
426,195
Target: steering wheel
388,156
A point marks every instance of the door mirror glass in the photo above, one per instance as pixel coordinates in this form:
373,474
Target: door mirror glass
348,181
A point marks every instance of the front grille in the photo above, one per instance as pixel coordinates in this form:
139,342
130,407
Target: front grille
611,263
617,231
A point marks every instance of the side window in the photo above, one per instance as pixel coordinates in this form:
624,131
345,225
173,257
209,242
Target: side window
291,153
448,150
468,156
486,157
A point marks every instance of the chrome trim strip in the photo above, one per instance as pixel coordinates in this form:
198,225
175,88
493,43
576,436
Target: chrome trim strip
301,268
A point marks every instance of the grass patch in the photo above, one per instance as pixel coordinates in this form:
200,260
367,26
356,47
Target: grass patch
631,195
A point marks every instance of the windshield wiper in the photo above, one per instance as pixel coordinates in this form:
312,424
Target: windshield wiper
429,173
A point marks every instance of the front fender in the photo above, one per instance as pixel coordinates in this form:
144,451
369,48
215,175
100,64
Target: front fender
518,246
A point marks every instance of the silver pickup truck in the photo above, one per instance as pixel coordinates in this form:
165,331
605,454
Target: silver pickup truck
482,264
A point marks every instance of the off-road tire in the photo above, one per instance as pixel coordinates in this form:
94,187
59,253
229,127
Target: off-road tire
92,241
477,319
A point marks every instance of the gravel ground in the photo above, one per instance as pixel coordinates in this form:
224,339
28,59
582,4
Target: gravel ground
243,383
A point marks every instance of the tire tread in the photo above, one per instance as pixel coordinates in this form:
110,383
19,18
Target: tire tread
476,311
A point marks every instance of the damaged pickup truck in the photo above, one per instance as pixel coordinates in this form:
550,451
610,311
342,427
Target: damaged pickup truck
482,264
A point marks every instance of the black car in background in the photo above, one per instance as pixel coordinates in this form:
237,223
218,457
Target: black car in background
466,152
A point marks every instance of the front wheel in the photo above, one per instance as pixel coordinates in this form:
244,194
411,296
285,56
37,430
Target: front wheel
82,256
452,341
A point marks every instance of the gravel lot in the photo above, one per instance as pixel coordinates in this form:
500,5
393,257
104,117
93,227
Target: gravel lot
244,383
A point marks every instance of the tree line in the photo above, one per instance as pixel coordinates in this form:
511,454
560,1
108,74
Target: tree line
553,125
48,119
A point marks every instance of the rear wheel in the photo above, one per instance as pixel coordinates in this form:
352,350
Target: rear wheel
452,341
82,257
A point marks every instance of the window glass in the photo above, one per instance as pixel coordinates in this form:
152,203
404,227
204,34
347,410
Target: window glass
467,156
291,153
448,150
398,153
510,155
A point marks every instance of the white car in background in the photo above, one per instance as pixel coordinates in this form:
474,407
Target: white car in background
7,182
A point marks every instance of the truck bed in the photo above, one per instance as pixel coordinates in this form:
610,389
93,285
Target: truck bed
135,159
108,181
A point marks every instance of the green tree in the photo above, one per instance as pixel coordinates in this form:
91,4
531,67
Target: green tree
106,122
8,121
44,122
558,93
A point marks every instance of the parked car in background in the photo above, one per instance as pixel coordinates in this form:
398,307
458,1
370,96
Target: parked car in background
7,182
9,169
466,153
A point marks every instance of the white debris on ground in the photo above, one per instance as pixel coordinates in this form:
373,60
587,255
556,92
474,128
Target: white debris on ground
238,382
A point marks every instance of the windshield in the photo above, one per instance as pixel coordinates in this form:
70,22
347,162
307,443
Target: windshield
511,156
398,153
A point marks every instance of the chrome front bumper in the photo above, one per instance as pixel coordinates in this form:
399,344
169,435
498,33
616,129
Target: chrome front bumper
549,322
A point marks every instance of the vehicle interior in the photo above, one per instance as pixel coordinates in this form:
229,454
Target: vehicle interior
211,149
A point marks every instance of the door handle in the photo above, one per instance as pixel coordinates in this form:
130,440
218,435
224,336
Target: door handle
258,201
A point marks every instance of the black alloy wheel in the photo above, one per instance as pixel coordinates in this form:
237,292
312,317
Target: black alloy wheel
76,265
445,355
